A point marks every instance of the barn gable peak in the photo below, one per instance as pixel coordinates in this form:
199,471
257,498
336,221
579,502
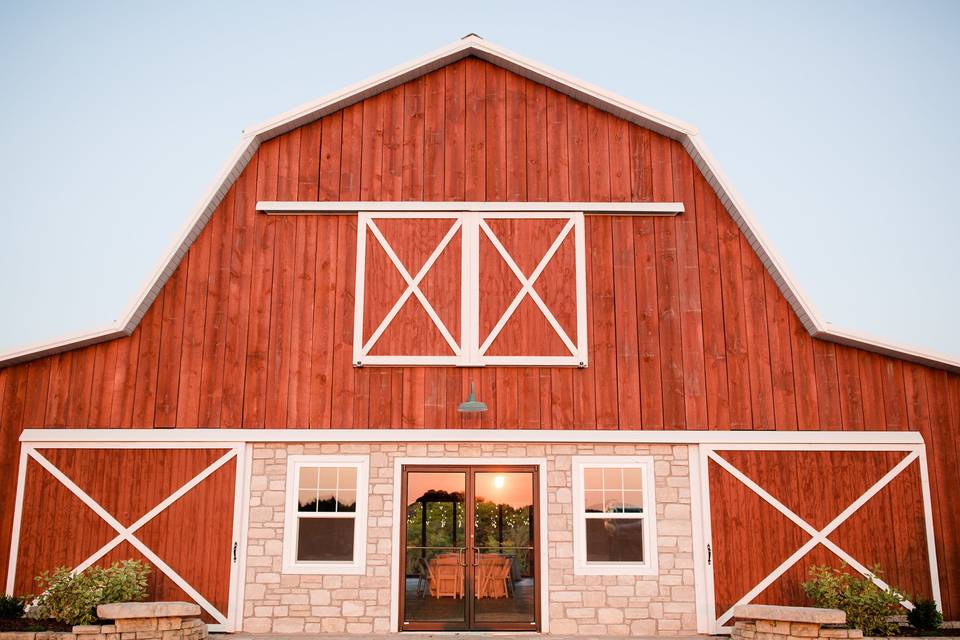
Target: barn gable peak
474,45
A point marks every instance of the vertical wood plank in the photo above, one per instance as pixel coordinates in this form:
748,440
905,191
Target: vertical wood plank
557,396
215,322
734,322
781,356
851,399
238,295
194,317
171,347
691,310
711,299
326,373
280,337
828,387
758,341
261,291
578,164
668,298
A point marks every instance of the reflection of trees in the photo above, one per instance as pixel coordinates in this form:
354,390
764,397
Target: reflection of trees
327,505
504,528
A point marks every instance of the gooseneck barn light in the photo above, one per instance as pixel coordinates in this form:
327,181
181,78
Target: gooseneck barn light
472,405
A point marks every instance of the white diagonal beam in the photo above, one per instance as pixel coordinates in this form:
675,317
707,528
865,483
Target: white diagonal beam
413,287
150,515
817,537
526,288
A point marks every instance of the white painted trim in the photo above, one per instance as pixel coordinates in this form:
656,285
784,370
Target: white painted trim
928,526
579,90
358,566
225,620
242,504
424,206
715,623
700,536
651,552
238,556
540,463
203,438
17,517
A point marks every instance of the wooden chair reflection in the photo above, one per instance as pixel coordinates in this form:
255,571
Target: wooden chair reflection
492,576
445,576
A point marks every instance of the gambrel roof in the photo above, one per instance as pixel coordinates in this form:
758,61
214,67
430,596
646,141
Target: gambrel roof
473,45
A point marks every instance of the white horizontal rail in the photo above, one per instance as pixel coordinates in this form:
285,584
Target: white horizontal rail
875,440
619,208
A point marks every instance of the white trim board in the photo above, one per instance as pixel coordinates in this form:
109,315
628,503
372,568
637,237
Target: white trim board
225,620
424,206
127,438
473,45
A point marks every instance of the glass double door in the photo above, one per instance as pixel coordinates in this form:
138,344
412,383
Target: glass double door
470,540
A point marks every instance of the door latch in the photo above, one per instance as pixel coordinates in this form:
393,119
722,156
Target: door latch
709,554
234,551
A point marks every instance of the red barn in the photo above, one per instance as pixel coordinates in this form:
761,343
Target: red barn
280,424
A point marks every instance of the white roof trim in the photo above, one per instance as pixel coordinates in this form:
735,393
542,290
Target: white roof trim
476,46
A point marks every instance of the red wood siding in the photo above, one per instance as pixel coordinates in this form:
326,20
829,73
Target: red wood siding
687,330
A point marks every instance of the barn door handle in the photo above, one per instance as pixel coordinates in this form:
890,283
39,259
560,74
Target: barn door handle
709,554
234,551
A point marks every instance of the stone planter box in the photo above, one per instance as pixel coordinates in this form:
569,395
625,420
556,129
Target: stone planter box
770,622
131,621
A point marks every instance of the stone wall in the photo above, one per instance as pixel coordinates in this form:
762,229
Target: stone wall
578,604
133,621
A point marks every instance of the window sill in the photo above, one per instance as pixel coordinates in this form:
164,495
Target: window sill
615,569
324,568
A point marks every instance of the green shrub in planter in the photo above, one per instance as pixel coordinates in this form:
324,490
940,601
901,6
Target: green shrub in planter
925,616
73,598
868,607
11,607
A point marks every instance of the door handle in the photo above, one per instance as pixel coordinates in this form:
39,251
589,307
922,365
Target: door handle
709,554
476,557
462,556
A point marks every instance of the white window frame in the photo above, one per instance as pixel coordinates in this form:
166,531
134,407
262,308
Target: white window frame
469,352
650,566
358,565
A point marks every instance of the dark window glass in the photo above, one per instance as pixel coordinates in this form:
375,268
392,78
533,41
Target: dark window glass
329,539
614,540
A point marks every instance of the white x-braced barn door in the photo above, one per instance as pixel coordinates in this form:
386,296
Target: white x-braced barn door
470,289
771,512
174,506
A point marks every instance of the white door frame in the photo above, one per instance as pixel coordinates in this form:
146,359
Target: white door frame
226,621
708,619
399,512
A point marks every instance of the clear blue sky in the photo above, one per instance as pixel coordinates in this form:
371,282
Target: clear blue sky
836,121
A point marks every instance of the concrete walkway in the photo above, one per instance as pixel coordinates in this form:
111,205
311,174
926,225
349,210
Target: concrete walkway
447,635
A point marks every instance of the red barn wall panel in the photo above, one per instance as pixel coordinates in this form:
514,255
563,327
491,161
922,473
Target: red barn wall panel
255,328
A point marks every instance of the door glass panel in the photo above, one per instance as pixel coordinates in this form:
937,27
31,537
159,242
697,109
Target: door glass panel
435,547
503,555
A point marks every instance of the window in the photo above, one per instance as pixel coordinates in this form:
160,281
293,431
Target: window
326,514
614,516
470,288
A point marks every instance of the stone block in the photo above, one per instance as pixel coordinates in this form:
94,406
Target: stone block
778,627
804,629
610,616
168,624
122,610
125,625
86,629
789,614
288,625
